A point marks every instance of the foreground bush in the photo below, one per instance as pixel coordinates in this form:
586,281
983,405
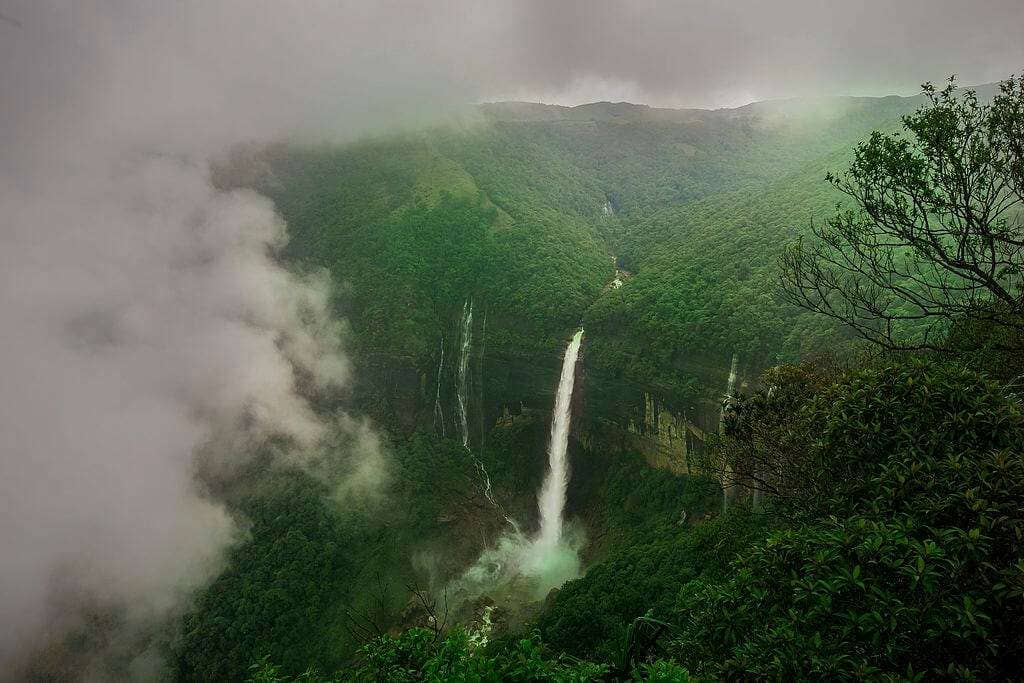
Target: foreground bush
914,564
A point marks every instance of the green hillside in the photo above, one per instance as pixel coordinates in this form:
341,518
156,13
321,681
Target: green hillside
661,233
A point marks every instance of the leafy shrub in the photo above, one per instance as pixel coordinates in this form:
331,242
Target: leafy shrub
423,655
916,564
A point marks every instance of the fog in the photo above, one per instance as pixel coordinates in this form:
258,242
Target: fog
146,328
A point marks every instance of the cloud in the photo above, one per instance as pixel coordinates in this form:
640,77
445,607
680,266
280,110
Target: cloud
145,317
149,331
710,53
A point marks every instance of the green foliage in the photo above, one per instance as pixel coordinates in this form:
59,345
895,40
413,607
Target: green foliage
309,561
423,655
890,545
912,423
419,656
915,562
409,235
510,212
705,273
764,445
935,230
706,283
652,554
662,671
265,671
277,591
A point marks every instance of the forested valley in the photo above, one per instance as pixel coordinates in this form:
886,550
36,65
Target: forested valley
797,437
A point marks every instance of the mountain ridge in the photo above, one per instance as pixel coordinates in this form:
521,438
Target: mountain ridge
503,109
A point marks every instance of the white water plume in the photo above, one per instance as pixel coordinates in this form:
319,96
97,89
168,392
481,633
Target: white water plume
552,494
536,565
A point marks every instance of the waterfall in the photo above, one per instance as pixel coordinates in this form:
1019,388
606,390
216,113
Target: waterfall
731,384
550,558
467,342
730,387
462,394
489,495
437,397
551,500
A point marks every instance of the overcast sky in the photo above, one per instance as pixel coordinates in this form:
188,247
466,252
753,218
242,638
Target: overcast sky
711,53
272,65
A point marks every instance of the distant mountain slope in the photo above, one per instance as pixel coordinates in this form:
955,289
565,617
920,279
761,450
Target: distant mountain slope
646,158
705,201
524,211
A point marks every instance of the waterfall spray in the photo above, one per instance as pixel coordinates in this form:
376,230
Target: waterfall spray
551,500
466,346
550,558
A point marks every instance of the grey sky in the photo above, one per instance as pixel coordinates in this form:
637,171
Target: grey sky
717,53
267,66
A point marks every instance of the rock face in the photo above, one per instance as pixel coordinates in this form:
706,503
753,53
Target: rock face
666,439
610,414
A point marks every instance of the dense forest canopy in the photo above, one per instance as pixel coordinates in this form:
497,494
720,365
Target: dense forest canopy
872,519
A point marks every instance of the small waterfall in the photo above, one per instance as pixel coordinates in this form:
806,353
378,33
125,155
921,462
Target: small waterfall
465,348
489,495
551,500
437,398
462,393
730,387
478,388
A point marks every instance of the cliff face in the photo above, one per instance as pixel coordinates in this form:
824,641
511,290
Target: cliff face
610,415
666,439
670,431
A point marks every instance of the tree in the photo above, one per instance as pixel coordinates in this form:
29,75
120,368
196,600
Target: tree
904,556
764,446
936,235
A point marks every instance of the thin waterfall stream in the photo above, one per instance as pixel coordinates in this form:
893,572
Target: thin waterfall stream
466,346
437,398
462,396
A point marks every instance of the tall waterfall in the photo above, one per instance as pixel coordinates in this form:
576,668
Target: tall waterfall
551,500
551,557
465,348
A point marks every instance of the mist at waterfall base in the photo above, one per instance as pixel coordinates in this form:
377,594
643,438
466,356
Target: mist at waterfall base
528,566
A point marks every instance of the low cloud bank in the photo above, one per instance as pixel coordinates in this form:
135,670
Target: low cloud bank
149,333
